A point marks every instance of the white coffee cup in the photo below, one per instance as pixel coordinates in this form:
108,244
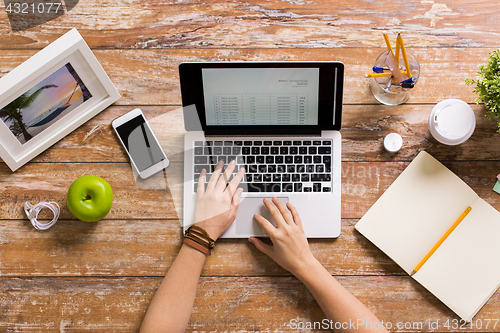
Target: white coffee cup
452,122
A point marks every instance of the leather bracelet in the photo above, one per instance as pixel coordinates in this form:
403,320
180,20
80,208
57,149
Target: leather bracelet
198,240
195,230
197,246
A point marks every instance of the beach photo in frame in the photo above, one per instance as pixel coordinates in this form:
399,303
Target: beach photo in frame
49,96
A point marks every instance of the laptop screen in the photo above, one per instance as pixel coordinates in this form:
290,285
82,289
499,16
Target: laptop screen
261,96
264,98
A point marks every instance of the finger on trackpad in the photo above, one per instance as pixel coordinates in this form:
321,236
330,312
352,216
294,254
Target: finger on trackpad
245,223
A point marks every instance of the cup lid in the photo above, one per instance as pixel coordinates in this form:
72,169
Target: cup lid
452,121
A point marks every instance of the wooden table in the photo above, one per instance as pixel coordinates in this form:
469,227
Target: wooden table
100,277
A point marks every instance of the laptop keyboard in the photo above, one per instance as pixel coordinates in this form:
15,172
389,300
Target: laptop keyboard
271,166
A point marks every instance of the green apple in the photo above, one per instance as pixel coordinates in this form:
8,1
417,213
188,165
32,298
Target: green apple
89,198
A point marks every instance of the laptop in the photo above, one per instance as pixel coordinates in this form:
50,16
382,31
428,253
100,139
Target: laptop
278,120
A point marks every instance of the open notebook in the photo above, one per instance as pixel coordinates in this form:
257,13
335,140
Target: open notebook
416,211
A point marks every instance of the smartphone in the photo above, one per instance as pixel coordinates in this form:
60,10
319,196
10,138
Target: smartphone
141,144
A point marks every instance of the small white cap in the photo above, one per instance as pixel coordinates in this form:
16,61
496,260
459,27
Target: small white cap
393,142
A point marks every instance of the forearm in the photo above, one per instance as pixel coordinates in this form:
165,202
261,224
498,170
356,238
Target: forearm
171,306
338,304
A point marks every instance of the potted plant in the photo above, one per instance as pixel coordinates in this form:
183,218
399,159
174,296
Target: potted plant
488,86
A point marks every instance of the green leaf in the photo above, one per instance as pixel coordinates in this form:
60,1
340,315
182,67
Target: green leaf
487,86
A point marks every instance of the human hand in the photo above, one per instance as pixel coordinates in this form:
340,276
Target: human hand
290,249
217,205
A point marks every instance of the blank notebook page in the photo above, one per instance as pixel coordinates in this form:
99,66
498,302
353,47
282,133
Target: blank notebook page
464,271
416,210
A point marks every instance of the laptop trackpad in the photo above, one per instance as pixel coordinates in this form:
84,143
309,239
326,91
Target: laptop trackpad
245,223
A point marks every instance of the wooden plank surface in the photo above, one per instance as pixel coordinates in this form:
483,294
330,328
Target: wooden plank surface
139,238
362,185
363,130
150,77
265,24
148,248
222,304
100,277
50,182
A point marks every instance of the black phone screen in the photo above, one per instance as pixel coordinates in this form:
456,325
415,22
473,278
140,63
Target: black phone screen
140,143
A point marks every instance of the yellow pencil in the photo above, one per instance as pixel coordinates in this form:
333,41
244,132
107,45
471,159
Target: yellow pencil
381,74
397,50
388,43
464,214
405,58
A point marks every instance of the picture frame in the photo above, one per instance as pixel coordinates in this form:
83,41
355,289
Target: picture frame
50,95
